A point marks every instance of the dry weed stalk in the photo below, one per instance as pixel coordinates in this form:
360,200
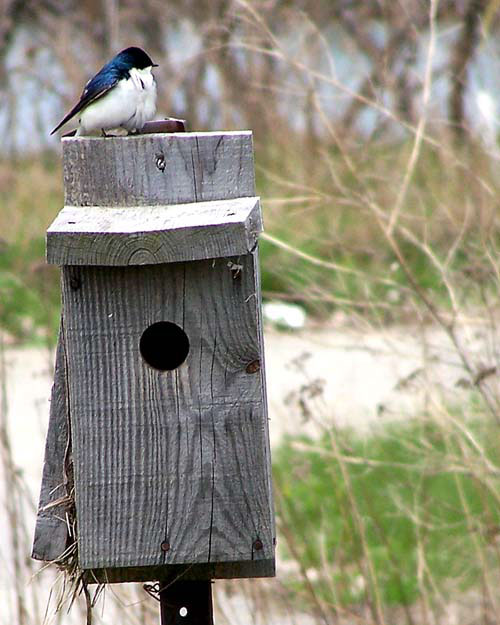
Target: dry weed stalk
400,230
16,505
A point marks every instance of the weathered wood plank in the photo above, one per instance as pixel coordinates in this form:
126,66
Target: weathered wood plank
262,372
51,531
158,169
154,234
176,458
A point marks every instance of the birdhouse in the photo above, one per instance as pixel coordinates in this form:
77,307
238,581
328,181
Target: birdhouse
157,461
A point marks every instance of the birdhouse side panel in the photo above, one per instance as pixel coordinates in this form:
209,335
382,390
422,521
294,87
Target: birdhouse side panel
54,516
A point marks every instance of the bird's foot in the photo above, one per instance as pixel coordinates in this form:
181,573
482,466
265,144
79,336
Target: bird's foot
107,134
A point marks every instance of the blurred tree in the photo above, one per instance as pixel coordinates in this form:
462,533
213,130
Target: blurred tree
461,56
256,63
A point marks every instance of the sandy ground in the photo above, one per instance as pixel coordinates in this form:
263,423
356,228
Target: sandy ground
363,378
360,379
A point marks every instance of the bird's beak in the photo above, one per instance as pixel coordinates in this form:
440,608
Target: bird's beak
155,65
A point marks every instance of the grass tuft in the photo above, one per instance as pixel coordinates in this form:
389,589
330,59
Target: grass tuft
427,499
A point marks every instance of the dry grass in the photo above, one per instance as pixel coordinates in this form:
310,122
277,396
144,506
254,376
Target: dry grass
31,193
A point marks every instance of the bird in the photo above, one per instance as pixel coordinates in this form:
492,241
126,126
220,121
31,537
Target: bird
121,95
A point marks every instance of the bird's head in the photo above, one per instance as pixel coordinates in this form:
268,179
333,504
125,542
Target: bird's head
133,58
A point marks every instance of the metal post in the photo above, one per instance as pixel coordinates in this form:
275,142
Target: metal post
186,603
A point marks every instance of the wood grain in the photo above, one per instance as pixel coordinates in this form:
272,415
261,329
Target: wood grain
178,457
51,531
158,169
147,235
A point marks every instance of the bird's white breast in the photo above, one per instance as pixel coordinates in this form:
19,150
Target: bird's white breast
129,104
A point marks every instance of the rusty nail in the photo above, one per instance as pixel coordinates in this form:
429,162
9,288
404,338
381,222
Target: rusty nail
165,546
253,366
257,545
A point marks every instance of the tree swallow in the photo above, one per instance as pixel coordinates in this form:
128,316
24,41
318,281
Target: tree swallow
121,95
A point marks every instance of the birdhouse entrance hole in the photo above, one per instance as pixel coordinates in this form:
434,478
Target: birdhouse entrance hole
164,345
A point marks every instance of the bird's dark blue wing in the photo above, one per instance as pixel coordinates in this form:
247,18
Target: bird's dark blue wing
96,87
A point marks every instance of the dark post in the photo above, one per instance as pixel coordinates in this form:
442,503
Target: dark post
186,603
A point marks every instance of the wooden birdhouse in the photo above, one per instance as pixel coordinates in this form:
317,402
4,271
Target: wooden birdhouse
157,461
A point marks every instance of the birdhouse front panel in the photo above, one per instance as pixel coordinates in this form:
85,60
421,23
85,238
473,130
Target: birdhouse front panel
168,413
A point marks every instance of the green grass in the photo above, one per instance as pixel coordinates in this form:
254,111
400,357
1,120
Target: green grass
412,495
29,293
30,197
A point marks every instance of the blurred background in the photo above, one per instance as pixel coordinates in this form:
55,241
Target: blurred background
376,147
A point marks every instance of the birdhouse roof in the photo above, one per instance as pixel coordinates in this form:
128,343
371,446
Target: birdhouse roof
145,235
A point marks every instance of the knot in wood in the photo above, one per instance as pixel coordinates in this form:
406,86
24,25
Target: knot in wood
75,282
